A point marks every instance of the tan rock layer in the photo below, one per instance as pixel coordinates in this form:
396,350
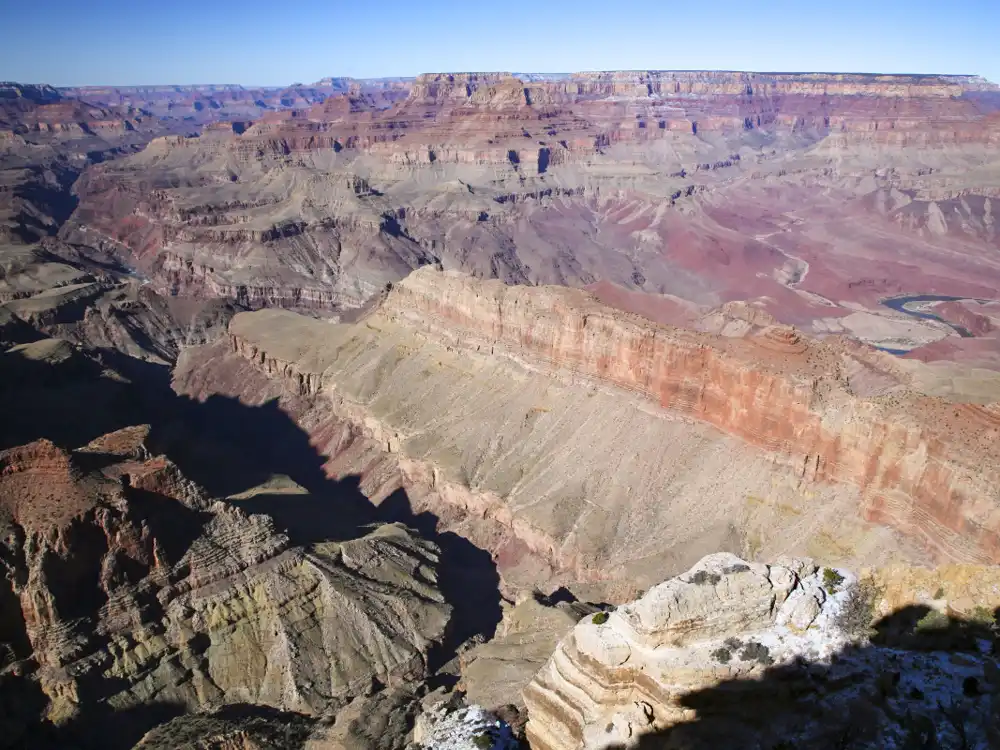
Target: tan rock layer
128,585
925,466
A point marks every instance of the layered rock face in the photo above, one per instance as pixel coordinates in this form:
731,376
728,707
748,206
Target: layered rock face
128,593
50,289
778,390
131,586
213,103
762,653
576,443
799,194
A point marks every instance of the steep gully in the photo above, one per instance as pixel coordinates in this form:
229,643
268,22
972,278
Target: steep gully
229,445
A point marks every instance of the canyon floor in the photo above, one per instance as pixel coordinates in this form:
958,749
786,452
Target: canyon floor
474,410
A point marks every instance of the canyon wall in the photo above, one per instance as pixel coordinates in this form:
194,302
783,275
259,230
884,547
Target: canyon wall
913,457
127,583
572,438
666,183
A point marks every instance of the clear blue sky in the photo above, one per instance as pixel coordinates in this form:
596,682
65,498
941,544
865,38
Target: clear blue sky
274,42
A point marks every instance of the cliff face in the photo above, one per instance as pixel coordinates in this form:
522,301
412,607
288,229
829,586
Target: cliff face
594,431
126,583
779,391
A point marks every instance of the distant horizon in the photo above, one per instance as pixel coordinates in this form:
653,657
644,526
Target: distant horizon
118,43
514,73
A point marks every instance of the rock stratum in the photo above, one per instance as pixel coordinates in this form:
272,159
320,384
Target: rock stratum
673,193
762,653
126,586
570,437
552,340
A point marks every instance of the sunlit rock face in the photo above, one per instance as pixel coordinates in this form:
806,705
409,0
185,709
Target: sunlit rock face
125,584
765,653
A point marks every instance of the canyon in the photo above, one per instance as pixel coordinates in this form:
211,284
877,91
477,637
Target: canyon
490,409
811,198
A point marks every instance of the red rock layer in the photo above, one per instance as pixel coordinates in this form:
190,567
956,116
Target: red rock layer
928,467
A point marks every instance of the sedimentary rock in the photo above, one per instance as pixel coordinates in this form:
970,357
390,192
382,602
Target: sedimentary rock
651,182
495,673
800,401
732,649
129,585
577,443
50,289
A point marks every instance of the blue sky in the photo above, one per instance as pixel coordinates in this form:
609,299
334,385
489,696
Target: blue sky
269,42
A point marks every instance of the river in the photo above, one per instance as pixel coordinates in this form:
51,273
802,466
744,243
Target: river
899,303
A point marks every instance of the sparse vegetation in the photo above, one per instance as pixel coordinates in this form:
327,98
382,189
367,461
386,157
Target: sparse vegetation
483,741
702,577
831,580
933,621
722,654
757,652
260,727
983,617
858,613
737,568
599,618
939,594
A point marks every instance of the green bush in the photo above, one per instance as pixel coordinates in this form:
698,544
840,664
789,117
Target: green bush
933,621
983,617
702,577
831,580
858,613
600,618
483,741
758,652
722,654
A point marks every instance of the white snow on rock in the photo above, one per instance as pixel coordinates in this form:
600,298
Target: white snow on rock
451,726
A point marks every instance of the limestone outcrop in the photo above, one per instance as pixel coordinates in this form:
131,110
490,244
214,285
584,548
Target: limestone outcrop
765,653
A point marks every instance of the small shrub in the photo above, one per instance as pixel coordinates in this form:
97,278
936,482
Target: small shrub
734,644
983,617
939,594
933,621
483,741
858,613
722,654
831,580
737,568
702,577
758,652
599,618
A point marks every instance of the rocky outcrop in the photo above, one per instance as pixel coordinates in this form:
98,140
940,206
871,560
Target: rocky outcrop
131,585
495,673
765,653
449,725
